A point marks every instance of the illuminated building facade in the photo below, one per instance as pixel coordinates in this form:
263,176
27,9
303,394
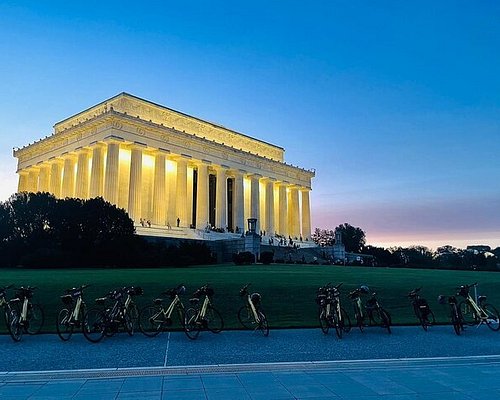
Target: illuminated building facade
163,166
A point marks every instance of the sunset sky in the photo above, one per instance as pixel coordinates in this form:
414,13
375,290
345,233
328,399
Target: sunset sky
395,104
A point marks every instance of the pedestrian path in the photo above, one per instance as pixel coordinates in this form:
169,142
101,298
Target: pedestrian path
436,378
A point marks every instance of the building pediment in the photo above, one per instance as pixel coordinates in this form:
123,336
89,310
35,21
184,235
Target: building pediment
151,112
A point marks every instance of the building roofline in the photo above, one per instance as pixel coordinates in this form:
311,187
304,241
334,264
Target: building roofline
125,94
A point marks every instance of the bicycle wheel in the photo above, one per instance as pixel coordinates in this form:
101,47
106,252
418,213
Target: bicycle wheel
215,323
94,325
263,325
323,320
64,325
429,319
191,325
151,320
456,321
385,319
493,319
337,322
130,319
468,313
35,319
245,316
181,316
14,327
345,321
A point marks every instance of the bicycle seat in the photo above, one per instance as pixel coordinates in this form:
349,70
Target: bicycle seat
194,300
157,301
16,300
480,299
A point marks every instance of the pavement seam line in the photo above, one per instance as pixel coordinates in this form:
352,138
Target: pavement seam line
166,351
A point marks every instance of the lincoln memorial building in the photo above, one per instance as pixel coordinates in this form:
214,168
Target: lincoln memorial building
166,167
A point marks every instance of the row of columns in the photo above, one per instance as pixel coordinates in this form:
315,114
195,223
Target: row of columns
69,176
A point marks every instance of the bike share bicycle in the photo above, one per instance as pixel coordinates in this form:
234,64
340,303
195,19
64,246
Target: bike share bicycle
72,315
25,316
372,310
251,315
330,312
477,312
421,309
456,318
100,322
202,317
155,318
4,303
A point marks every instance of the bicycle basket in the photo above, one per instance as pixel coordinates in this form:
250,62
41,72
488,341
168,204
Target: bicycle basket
371,303
463,291
100,300
67,299
255,298
181,290
23,293
423,306
320,299
136,291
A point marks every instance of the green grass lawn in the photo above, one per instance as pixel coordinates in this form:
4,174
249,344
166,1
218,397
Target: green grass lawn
288,291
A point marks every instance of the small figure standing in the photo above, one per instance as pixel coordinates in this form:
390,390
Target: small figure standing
178,221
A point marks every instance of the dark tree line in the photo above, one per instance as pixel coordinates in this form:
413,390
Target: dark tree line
37,231
445,257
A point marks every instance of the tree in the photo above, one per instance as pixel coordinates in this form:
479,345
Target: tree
353,238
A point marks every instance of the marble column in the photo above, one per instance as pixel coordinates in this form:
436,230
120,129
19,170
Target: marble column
135,186
306,214
97,171
44,178
23,181
68,180
221,199
255,200
239,202
293,213
283,217
82,175
159,190
55,177
181,198
269,225
171,192
33,180
112,173
202,197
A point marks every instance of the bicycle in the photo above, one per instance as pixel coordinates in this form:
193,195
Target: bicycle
154,319
421,309
201,317
372,310
330,312
477,313
251,315
72,315
26,317
4,303
100,322
456,318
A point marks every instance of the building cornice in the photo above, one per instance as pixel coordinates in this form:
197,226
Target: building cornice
112,122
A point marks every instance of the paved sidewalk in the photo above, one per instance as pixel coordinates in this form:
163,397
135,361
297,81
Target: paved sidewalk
438,378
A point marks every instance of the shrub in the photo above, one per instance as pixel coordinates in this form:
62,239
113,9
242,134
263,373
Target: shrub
244,257
266,257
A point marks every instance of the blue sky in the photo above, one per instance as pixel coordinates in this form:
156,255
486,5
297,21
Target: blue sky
395,104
